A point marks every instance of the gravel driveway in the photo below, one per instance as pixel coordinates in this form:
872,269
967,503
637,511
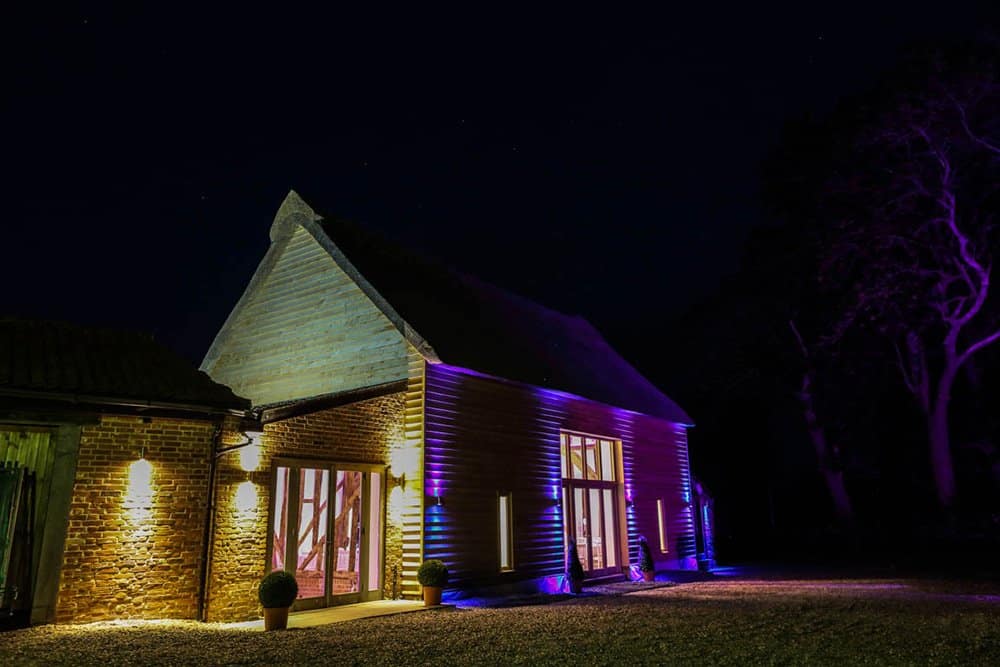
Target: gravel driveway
711,623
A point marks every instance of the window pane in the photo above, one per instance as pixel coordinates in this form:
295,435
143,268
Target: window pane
596,543
661,522
375,532
347,532
592,458
505,533
580,525
607,461
562,454
279,531
576,456
310,568
610,537
565,518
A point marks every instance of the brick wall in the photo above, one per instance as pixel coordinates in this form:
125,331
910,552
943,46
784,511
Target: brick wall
362,432
133,553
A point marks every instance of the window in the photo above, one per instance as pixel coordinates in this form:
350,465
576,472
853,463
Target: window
591,500
585,457
506,536
662,525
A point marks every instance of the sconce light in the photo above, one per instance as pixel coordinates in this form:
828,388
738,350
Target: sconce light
140,476
393,482
250,453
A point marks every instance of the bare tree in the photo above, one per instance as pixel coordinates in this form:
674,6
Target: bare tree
828,455
913,239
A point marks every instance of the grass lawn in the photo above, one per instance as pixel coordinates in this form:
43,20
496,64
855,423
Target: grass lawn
712,623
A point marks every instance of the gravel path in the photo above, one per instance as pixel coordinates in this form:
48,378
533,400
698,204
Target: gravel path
745,622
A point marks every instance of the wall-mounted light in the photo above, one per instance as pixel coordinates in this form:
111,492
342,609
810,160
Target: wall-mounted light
250,452
140,478
393,481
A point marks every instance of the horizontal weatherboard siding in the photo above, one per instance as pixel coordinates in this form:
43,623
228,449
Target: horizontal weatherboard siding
486,436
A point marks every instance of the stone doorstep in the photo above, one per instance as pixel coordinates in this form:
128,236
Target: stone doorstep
340,614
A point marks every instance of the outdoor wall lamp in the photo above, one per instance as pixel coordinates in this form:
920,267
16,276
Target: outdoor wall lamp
140,477
393,481
250,452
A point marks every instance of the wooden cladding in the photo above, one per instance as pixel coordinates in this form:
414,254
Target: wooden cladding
485,437
303,328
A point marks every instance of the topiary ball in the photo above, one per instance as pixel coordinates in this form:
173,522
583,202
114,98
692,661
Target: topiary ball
278,589
433,573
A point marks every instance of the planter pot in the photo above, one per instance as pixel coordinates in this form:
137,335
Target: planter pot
275,618
432,596
575,586
649,576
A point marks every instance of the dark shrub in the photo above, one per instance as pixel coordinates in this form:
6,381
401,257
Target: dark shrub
575,570
645,556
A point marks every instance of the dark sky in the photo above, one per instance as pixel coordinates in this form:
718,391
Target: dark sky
604,164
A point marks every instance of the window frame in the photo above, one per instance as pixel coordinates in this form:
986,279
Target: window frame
661,525
505,501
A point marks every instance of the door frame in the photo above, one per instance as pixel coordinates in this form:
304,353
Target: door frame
294,465
569,516
619,502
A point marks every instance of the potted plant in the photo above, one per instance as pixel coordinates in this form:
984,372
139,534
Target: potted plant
574,572
646,561
433,576
277,592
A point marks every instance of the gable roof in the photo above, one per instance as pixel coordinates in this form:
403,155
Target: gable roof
102,365
462,321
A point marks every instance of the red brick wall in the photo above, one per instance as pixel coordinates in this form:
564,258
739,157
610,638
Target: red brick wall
361,432
129,557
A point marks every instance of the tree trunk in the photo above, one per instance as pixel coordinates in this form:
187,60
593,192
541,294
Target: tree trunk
940,450
832,476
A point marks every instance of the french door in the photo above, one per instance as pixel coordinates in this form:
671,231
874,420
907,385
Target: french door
326,528
592,526
591,490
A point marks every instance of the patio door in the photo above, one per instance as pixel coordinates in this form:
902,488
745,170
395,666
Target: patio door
592,527
590,500
326,528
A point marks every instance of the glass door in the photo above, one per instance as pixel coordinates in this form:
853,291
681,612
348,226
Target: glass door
590,501
591,527
326,527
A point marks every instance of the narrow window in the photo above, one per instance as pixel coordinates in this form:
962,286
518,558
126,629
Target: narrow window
506,533
662,524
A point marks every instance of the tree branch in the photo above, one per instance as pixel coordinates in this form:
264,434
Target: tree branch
972,135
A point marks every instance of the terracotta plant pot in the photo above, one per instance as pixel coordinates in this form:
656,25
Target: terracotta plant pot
275,618
432,596
649,576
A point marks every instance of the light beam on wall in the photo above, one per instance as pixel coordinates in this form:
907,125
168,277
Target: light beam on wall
140,483
246,498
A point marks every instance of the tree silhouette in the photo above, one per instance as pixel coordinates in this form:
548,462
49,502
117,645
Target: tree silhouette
911,218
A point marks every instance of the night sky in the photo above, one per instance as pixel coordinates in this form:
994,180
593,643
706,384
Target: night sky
603,165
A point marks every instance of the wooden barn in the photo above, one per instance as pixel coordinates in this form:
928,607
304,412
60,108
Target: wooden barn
410,412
